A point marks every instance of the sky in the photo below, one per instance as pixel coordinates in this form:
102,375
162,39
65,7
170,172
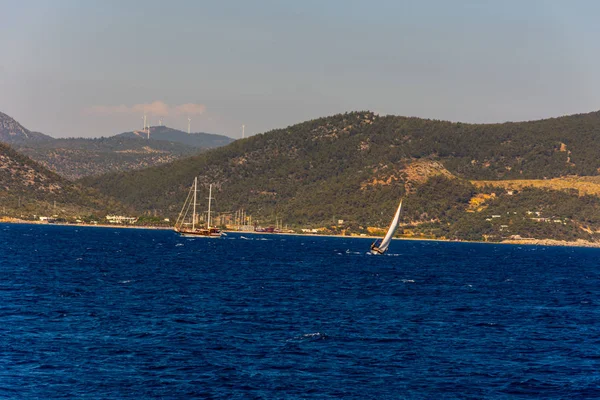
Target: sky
72,68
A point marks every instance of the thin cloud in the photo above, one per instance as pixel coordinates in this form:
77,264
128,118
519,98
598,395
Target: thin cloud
156,108
189,109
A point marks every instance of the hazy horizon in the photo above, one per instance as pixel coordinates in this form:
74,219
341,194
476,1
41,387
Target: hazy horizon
72,69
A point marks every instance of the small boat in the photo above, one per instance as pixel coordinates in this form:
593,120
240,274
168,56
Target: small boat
269,229
183,228
380,246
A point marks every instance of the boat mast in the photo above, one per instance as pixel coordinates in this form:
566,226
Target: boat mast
194,213
209,198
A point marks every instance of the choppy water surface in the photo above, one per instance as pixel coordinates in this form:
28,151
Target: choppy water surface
127,313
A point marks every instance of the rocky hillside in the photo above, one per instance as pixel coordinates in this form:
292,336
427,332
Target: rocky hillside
28,188
13,132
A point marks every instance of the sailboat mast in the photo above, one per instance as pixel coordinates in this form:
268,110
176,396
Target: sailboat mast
209,199
194,213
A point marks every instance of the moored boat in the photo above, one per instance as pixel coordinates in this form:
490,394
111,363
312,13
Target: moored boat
190,229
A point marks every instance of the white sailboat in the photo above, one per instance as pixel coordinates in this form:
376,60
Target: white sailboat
380,246
183,228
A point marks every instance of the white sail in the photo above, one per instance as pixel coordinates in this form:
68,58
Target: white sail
390,233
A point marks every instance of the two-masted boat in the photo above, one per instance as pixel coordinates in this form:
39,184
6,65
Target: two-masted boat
192,227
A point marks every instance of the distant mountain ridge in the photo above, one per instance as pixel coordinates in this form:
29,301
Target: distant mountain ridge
13,132
75,158
200,139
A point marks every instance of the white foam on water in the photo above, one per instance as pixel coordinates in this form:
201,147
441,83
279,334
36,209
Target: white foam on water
408,281
353,252
314,335
308,336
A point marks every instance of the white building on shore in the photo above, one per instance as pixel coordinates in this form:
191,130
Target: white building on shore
119,219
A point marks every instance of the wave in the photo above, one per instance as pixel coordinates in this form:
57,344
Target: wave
309,336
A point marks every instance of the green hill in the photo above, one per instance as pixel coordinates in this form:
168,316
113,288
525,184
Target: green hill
356,166
28,188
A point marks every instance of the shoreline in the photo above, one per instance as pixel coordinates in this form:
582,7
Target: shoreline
526,242
552,242
21,222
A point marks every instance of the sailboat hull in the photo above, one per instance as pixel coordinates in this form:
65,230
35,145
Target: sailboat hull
200,233
376,251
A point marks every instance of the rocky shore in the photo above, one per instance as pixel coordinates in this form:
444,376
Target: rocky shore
553,242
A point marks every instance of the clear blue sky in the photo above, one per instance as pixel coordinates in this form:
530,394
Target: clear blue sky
90,68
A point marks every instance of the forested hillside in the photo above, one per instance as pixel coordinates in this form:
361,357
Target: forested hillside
356,166
74,158
27,188
78,157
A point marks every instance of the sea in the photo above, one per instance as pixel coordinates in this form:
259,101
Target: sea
102,313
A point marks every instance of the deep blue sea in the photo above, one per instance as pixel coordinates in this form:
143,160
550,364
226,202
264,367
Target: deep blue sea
99,313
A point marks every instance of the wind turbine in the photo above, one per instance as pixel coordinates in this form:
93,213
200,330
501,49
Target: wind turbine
243,131
144,121
160,122
189,121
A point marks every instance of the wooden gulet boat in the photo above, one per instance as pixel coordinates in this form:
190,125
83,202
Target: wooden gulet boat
183,228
